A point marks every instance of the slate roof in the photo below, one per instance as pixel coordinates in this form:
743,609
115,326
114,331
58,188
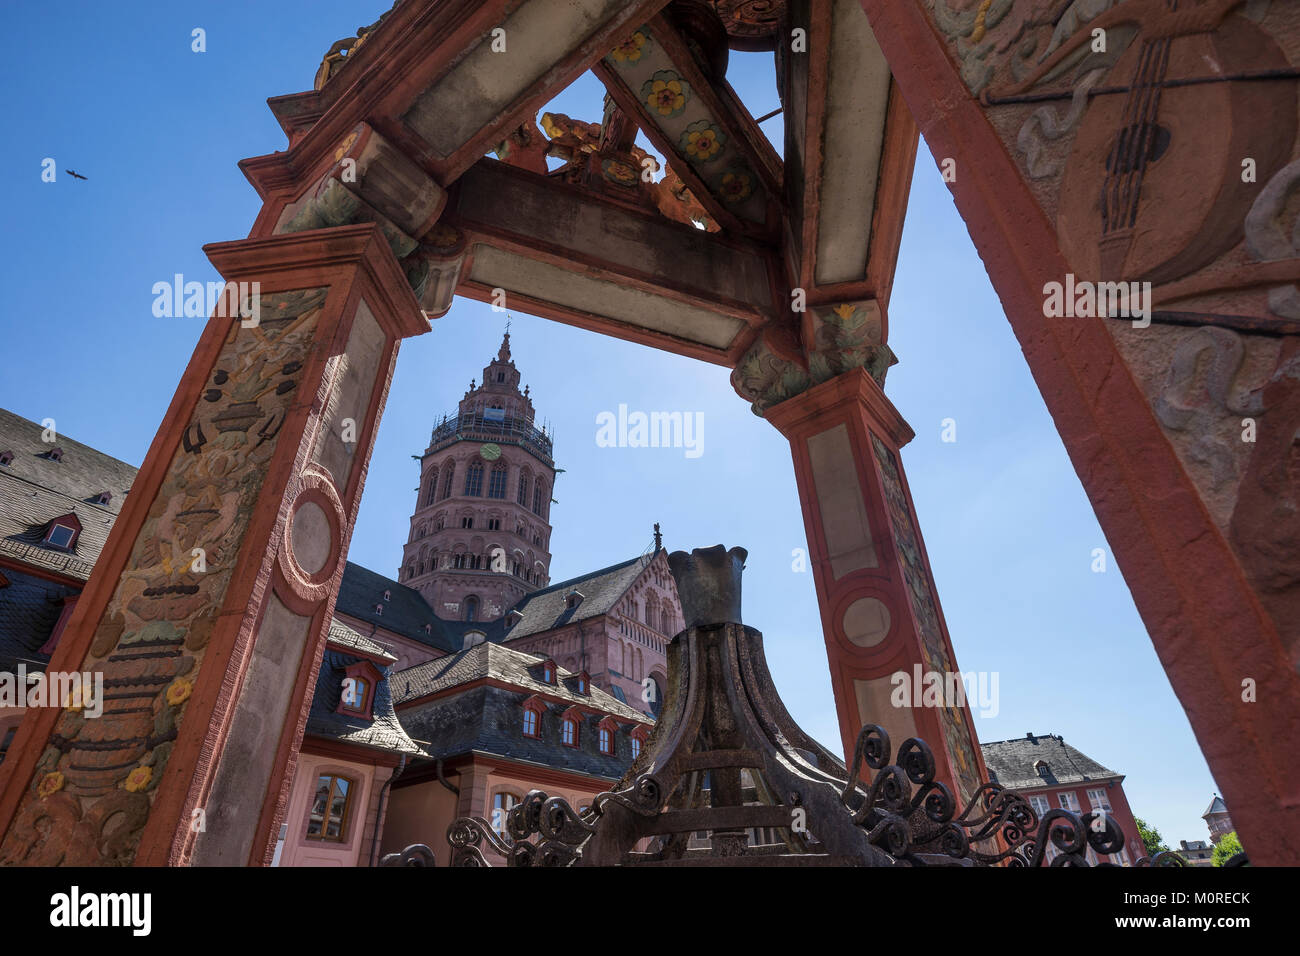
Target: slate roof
1011,763
545,610
488,721
1216,806
29,609
35,489
324,720
503,663
343,635
405,612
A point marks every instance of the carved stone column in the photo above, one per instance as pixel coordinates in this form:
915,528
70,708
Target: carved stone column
208,609
1181,421
880,611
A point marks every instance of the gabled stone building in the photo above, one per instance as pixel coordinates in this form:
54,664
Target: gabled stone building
1052,774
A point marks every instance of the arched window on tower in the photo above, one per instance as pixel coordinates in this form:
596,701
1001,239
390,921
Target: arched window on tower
471,608
474,479
539,495
431,488
497,482
667,627
446,482
522,497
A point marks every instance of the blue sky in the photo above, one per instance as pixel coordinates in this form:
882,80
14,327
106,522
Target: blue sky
115,93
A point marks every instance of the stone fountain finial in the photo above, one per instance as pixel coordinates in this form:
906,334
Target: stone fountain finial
708,584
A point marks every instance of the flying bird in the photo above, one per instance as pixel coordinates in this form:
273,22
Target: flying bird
74,174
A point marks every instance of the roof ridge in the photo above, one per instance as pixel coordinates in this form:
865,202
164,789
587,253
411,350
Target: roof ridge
582,577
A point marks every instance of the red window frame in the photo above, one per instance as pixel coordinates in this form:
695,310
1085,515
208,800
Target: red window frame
370,674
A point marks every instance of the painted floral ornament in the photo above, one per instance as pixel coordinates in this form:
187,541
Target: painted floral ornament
620,173
666,93
51,783
702,141
631,49
179,691
138,779
735,185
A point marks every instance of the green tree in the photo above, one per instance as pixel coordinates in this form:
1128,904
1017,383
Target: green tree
1226,849
1151,838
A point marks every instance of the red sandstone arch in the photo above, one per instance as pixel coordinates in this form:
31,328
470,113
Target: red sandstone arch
337,258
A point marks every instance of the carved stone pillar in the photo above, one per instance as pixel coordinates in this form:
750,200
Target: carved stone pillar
208,609
1180,415
880,611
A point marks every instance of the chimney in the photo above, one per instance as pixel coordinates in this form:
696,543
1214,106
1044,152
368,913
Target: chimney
1031,738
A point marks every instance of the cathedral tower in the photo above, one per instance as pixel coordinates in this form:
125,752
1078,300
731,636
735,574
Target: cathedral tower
480,535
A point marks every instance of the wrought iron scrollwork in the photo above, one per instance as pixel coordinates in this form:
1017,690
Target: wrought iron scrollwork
1163,858
1072,835
547,831
912,816
467,835
417,854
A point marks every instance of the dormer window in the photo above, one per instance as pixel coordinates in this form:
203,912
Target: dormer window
357,693
55,454
584,683
533,709
6,457
513,618
569,731
62,533
548,672
388,595
60,536
638,735
1041,768
379,609
103,498
605,735
573,599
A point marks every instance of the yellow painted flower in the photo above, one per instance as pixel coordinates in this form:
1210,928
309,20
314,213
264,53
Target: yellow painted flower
702,141
50,783
631,49
138,779
667,98
844,311
620,173
735,186
179,691
665,93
